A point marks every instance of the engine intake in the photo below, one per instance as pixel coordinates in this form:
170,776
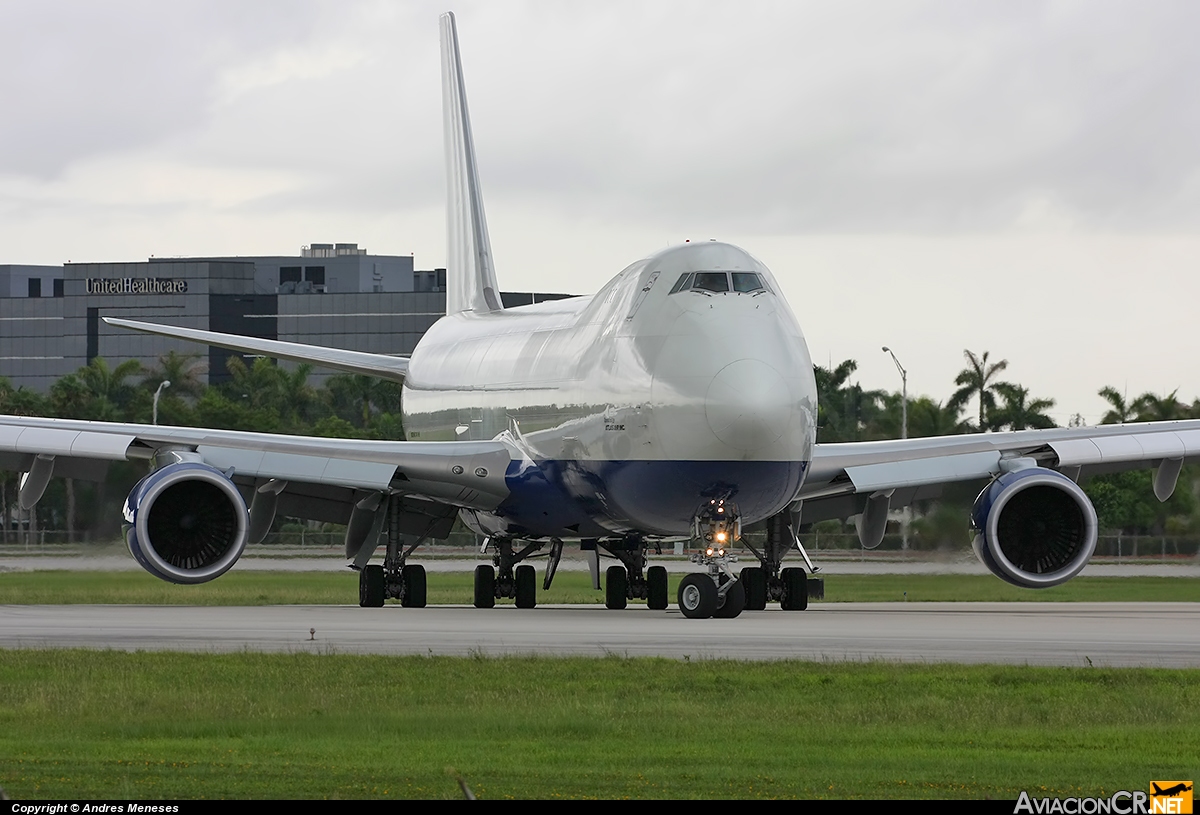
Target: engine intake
1034,528
186,523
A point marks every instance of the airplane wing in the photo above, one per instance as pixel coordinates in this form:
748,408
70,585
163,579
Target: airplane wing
208,478
868,479
467,474
1032,525
355,362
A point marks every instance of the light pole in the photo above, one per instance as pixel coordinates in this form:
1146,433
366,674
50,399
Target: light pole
166,383
903,393
903,435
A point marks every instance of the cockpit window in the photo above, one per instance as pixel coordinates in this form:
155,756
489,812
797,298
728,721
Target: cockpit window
743,282
711,281
684,282
747,282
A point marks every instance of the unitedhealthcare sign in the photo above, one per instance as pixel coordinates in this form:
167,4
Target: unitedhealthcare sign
136,285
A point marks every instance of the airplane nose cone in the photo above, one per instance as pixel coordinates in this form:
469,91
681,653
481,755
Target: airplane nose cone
749,405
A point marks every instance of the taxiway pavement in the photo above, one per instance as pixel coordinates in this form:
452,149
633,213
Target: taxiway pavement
964,564
1073,634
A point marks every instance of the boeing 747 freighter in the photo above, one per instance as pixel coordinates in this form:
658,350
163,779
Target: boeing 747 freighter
678,402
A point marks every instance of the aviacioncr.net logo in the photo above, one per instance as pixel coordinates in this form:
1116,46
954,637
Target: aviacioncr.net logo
1123,802
1164,798
1171,797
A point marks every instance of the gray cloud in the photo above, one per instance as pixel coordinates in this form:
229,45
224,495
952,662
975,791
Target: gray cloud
940,116
768,117
83,79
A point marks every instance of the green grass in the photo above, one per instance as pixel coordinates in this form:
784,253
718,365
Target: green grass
110,725
282,588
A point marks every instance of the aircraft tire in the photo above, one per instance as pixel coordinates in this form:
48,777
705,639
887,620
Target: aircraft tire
370,587
795,590
735,601
754,579
414,587
616,587
656,588
485,586
526,579
697,596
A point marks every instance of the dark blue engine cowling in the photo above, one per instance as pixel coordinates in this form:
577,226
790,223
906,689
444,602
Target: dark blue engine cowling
1034,528
186,523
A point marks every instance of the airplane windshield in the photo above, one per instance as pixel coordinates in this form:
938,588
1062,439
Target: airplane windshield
711,281
747,282
684,282
743,282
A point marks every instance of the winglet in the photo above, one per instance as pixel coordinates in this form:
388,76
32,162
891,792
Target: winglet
470,275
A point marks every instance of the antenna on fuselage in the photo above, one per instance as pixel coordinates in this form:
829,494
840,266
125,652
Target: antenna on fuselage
470,273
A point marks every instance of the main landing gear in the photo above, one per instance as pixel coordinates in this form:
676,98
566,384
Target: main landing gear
505,578
768,582
396,578
633,580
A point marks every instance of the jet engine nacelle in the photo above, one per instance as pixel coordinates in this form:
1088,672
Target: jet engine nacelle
186,523
1034,528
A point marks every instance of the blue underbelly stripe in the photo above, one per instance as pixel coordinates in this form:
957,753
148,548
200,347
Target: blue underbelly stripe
592,498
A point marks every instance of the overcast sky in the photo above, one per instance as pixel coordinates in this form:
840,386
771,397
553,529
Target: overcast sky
1018,178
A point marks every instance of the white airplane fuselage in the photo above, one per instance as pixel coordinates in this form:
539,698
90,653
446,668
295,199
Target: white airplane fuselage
636,405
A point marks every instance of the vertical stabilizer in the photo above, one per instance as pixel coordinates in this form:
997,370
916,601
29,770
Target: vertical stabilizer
470,275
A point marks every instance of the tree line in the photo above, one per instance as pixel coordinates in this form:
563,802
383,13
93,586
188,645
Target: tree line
259,396
847,412
983,401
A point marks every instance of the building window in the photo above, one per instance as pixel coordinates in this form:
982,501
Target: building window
315,275
58,287
289,274
35,287
93,333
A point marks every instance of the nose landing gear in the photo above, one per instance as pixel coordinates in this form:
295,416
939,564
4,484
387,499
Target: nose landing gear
719,593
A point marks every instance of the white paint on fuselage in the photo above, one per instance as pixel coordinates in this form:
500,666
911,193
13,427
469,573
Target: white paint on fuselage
627,374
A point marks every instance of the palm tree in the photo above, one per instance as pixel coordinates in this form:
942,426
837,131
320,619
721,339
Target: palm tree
107,387
978,379
298,396
843,411
1018,412
1121,411
183,371
258,385
929,418
359,398
1152,408
829,384
20,401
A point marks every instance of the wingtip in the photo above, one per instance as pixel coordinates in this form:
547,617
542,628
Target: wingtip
117,321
